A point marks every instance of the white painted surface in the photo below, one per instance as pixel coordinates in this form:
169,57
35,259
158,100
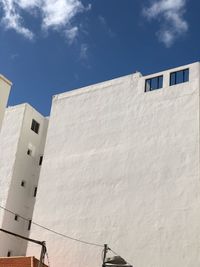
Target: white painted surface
15,166
122,167
5,86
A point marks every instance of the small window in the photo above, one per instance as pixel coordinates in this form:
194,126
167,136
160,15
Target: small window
153,83
35,192
177,77
35,126
9,253
23,183
40,161
29,152
29,225
16,217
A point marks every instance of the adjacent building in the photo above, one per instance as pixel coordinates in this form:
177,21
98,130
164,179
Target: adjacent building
20,262
5,86
22,141
121,167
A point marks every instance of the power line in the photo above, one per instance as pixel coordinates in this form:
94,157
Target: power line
59,234
53,231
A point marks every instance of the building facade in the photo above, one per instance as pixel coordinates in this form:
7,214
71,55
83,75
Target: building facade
5,86
22,141
121,167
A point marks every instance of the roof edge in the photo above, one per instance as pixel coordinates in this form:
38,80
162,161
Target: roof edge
5,79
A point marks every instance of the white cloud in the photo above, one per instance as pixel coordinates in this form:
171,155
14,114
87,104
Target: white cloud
58,13
55,14
170,12
84,51
105,25
12,20
71,34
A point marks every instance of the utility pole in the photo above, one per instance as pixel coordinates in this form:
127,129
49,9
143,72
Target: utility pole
104,254
41,243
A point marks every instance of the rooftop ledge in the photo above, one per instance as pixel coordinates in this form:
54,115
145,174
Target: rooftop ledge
5,79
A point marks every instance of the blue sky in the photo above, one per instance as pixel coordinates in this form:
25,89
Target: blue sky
52,46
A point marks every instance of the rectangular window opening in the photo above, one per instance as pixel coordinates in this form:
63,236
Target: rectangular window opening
29,225
35,191
178,77
29,152
35,126
154,83
23,183
16,217
40,161
9,254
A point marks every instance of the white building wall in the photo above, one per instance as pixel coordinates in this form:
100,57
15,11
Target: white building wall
17,166
5,86
122,167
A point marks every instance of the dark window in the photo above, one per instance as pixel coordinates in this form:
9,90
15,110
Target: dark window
16,217
40,161
35,126
29,225
154,83
29,152
9,254
177,77
35,192
23,183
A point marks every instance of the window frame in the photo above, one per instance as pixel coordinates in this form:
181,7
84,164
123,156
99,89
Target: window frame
148,82
175,78
35,126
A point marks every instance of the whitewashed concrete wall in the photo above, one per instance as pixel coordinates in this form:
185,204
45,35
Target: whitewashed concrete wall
16,166
122,167
5,86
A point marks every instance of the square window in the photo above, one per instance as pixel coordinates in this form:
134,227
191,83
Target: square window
35,126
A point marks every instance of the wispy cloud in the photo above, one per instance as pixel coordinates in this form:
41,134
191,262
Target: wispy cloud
84,51
71,34
104,23
55,14
170,13
13,20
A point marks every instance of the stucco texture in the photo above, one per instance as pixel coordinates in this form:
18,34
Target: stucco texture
122,167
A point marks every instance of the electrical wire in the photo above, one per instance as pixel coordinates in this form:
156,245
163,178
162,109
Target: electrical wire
53,231
60,234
